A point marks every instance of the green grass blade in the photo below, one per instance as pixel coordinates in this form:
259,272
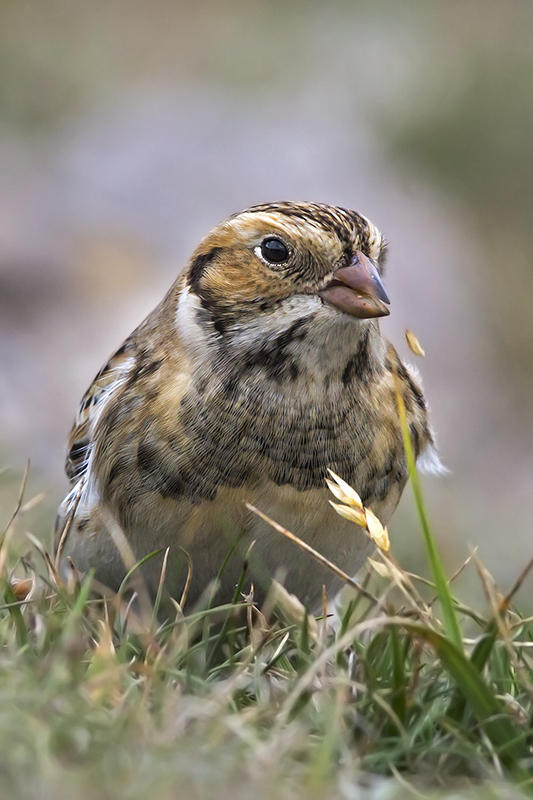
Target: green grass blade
399,678
13,607
135,567
507,738
450,621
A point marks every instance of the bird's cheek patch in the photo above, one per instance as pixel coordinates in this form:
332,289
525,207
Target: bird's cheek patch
233,283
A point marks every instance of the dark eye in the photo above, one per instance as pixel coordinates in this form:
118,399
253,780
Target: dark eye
274,250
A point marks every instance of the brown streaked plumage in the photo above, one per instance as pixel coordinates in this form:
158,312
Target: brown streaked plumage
262,367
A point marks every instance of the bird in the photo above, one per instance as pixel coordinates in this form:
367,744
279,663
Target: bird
262,368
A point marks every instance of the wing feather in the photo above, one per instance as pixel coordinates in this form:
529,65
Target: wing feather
105,383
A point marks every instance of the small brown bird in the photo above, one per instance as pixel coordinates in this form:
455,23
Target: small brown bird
261,368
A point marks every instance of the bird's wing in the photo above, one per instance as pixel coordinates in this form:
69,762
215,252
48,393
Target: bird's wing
107,381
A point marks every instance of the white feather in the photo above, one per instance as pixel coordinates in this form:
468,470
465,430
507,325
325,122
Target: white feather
429,462
90,495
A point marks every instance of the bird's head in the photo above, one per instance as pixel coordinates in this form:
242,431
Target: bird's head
282,261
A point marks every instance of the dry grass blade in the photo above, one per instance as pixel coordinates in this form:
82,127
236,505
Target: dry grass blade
506,602
7,532
402,581
18,505
188,579
161,585
130,562
45,555
454,575
32,502
312,552
500,619
67,526
292,609
494,599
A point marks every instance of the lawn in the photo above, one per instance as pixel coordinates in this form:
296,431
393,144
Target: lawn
411,693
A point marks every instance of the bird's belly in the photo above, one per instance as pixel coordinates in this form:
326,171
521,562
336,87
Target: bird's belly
259,553
213,530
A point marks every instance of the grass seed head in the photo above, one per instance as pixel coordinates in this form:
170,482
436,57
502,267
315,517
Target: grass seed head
414,345
376,531
355,515
343,491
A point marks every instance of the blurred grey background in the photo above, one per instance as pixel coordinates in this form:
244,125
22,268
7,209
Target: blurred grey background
128,129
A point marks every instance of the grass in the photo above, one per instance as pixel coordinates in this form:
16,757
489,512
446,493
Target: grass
413,694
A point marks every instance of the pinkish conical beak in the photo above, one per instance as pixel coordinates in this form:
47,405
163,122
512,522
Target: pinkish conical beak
357,289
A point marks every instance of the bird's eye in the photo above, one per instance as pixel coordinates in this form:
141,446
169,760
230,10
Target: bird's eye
274,250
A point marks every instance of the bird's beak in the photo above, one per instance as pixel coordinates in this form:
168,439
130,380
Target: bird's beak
357,289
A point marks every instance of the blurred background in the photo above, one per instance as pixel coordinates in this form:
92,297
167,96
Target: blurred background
128,129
